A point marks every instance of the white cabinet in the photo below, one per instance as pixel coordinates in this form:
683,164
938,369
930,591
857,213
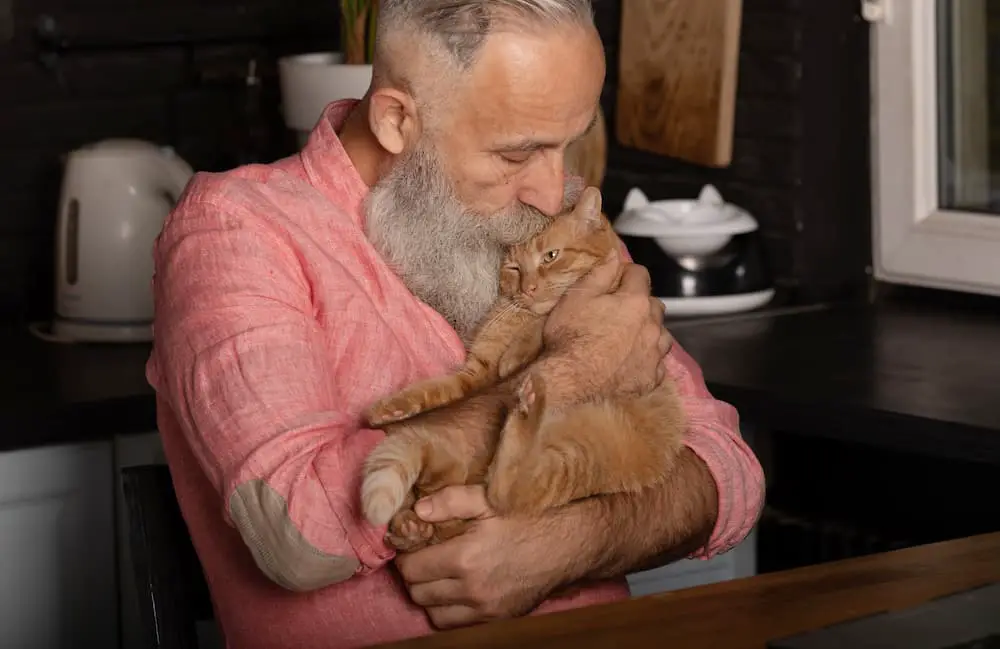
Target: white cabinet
58,587
131,450
739,562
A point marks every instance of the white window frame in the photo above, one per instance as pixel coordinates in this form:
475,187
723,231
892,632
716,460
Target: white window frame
914,241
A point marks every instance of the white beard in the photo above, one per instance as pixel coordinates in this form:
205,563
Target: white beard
447,255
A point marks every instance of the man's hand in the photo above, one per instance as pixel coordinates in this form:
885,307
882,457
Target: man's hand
499,568
614,342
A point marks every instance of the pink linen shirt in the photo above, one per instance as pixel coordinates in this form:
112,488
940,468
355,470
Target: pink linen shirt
276,324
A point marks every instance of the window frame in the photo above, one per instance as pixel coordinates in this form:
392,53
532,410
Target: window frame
914,241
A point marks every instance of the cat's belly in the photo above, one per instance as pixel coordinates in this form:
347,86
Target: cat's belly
462,438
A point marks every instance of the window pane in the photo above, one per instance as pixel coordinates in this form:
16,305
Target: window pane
968,35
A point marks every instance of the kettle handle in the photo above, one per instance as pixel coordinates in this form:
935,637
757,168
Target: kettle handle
177,173
68,242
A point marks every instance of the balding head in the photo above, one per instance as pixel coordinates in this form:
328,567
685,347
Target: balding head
424,46
459,27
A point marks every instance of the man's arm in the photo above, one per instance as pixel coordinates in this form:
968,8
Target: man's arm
253,385
660,525
706,506
506,566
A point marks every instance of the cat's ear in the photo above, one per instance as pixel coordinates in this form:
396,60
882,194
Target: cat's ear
588,208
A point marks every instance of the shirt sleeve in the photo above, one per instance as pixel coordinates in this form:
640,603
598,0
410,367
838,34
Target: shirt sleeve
251,380
714,436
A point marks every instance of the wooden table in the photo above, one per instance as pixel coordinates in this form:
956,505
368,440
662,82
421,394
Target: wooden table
746,613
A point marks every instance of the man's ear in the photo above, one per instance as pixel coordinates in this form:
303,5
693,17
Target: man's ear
393,119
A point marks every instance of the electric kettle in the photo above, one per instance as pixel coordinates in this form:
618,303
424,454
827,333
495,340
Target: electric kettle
115,196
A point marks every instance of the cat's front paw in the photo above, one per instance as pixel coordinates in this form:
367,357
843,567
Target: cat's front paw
407,532
530,396
392,409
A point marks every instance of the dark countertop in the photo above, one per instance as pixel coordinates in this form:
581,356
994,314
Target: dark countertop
910,377
906,376
56,393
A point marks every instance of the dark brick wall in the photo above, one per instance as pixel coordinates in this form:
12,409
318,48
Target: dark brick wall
173,71
800,154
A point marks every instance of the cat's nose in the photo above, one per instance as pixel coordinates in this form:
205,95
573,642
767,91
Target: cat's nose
529,289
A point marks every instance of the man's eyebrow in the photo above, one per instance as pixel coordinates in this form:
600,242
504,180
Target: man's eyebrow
523,146
531,145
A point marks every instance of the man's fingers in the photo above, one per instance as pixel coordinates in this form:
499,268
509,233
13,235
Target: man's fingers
635,280
429,564
462,502
656,309
665,342
443,592
449,617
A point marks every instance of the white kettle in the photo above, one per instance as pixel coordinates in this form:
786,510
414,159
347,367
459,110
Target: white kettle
115,196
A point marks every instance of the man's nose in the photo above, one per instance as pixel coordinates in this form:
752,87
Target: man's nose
543,186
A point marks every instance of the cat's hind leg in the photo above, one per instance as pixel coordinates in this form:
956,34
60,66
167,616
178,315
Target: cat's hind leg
506,486
549,459
406,531
389,473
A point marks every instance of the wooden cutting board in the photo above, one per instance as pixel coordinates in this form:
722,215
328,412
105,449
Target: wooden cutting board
677,78
587,157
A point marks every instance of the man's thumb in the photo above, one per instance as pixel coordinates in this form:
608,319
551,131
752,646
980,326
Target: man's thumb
457,502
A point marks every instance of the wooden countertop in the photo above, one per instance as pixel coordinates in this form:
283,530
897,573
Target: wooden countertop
747,613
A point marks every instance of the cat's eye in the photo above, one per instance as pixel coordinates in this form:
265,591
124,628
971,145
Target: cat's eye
513,268
550,256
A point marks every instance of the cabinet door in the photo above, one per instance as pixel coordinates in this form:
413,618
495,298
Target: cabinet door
58,587
739,562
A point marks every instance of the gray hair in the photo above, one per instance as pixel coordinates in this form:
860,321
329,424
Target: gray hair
462,26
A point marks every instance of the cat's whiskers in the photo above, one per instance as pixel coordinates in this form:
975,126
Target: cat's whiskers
511,306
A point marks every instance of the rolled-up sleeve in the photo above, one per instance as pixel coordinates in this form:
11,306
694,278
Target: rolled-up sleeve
714,435
251,380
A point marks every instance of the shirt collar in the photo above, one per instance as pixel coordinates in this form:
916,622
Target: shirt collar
326,163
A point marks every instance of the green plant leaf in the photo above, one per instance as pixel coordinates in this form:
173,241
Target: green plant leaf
358,22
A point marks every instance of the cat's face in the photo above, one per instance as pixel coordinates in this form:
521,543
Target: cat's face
535,274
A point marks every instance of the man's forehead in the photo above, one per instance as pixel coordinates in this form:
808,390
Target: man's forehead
537,90
513,142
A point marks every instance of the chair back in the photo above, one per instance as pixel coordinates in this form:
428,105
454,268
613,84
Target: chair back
173,595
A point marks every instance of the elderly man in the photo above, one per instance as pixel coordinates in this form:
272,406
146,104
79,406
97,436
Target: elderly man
289,296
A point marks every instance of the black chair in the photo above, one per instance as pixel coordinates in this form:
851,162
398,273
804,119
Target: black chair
173,596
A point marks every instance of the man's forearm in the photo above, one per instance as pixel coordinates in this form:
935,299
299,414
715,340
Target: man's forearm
630,532
635,531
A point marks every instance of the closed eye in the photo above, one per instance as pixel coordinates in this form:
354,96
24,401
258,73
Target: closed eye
512,267
516,158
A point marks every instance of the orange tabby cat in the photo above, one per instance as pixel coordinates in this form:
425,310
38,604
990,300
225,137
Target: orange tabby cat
447,430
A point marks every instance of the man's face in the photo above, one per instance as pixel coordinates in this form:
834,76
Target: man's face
503,139
490,174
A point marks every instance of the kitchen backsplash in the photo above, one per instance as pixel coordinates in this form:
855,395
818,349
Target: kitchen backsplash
174,71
